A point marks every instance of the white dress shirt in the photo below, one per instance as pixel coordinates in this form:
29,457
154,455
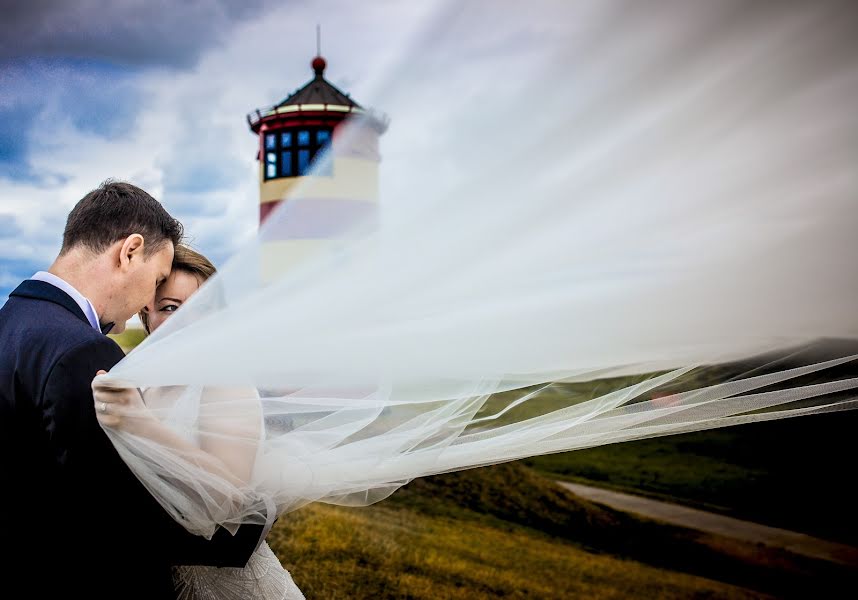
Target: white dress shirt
85,305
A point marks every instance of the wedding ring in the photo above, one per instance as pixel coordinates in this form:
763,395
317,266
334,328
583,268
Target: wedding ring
102,407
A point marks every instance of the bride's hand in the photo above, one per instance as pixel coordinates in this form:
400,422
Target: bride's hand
119,408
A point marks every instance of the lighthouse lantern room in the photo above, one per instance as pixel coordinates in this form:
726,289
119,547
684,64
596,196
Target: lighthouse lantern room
305,126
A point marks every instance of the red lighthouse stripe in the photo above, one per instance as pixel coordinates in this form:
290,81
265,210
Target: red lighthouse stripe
266,208
313,218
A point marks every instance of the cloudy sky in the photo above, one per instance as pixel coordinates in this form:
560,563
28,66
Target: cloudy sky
486,100
156,93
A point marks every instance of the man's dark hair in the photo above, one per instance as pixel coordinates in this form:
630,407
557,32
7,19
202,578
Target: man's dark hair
114,211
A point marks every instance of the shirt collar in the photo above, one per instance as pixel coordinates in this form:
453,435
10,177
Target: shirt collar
83,302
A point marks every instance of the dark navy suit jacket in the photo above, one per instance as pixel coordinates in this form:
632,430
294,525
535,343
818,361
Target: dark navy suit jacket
74,520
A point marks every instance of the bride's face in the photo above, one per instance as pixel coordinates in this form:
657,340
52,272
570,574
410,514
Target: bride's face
169,296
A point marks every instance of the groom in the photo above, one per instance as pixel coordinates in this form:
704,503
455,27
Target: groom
75,520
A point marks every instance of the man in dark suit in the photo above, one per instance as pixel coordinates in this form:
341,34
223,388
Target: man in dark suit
75,520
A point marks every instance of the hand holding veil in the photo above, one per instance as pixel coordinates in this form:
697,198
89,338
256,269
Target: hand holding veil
589,252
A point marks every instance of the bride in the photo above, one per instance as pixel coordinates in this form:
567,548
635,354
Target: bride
229,449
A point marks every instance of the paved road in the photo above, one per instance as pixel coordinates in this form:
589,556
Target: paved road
691,518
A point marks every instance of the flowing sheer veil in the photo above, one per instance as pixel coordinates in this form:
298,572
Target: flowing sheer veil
644,225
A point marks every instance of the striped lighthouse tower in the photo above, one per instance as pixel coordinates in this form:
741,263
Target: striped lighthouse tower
318,152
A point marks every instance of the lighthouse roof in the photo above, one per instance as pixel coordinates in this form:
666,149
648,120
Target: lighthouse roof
319,91
317,98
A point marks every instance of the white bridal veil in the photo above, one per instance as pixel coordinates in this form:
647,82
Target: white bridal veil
645,225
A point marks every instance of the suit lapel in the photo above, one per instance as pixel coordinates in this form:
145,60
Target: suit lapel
40,290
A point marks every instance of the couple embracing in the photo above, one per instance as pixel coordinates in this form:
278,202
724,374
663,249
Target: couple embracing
77,522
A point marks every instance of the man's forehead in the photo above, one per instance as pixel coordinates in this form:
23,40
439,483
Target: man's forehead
165,260
165,255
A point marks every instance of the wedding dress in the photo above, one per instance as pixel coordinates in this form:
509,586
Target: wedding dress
263,578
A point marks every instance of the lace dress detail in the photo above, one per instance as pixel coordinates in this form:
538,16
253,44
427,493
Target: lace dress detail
263,578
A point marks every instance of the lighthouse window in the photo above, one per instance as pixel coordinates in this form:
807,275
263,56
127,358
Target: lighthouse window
303,161
286,164
293,152
270,164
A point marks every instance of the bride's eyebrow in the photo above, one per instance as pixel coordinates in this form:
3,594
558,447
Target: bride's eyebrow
176,300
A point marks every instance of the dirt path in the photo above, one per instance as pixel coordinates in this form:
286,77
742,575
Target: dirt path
692,518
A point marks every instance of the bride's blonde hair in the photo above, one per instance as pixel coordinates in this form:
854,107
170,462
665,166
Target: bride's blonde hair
189,261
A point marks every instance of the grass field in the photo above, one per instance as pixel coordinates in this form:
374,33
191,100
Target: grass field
380,553
506,532
793,473
129,338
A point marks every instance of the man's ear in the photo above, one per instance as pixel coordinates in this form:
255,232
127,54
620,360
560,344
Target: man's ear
132,249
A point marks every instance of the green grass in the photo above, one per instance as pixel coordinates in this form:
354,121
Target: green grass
378,553
793,473
129,339
504,531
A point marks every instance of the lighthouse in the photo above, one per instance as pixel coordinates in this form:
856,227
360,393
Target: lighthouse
319,151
